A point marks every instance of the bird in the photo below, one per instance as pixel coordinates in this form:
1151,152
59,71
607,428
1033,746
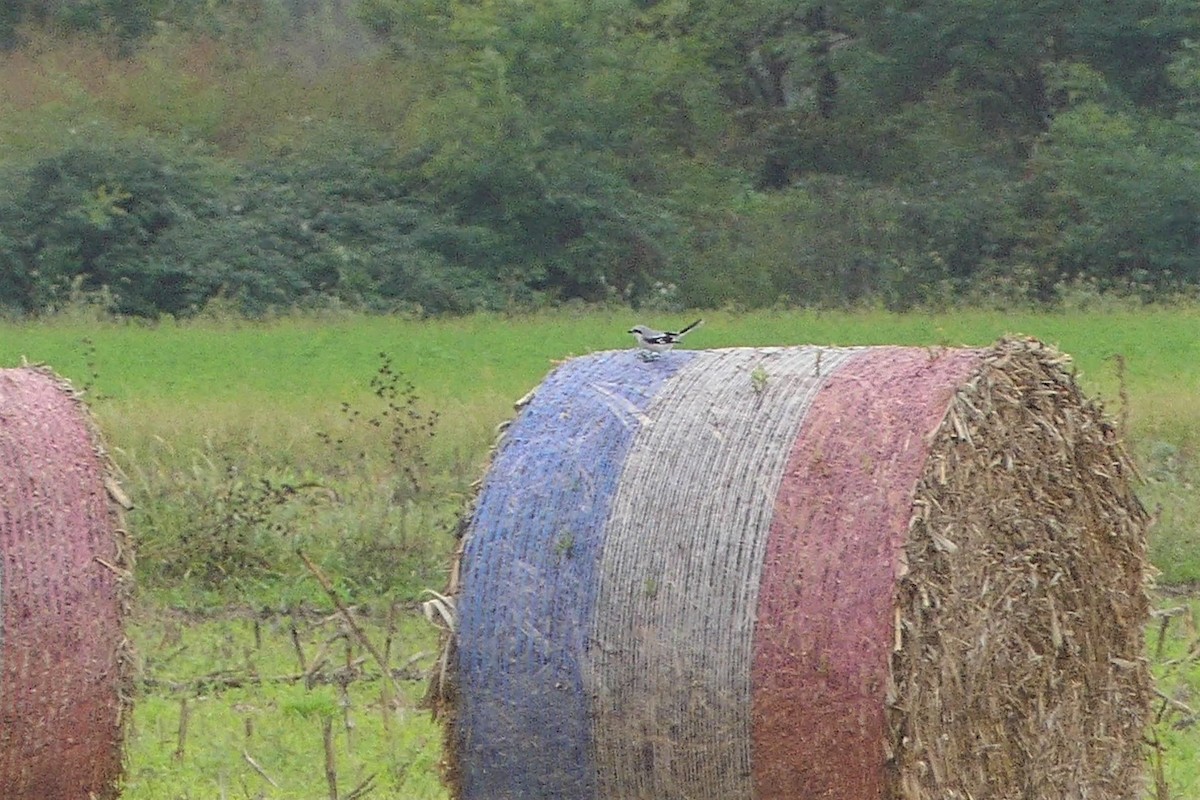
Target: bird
652,342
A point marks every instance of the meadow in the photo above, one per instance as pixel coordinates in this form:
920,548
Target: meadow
354,440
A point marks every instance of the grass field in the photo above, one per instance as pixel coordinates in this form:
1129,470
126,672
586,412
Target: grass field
256,712
243,443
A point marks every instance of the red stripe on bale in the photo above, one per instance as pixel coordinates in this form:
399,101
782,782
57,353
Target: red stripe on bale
62,650
824,634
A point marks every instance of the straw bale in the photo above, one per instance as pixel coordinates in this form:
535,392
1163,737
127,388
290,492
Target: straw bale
800,572
65,665
1024,602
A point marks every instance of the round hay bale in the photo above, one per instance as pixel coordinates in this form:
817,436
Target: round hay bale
803,572
64,561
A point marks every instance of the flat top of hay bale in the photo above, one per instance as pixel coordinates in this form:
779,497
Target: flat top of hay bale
64,560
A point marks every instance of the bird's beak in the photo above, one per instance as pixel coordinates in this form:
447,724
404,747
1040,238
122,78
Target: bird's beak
631,330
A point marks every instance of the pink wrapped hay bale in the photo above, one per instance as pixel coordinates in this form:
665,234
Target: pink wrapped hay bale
65,666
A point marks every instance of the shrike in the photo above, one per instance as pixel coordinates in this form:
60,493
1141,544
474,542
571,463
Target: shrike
653,342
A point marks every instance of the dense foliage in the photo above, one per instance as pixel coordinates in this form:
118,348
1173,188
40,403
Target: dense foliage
445,155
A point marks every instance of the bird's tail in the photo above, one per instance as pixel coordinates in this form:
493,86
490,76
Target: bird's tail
689,327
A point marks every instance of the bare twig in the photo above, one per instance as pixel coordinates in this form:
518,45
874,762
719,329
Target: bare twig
1175,704
181,742
388,702
390,627
122,574
299,649
1165,616
224,679
344,691
117,493
365,787
413,659
358,632
254,765
442,612
330,762
318,661
1161,790
1123,393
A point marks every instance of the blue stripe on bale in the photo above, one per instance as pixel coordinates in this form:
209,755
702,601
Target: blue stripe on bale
529,575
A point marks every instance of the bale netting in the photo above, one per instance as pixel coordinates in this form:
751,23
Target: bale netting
64,569
855,573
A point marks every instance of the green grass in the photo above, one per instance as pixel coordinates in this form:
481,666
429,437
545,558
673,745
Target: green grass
489,359
255,727
214,422
1175,658
179,392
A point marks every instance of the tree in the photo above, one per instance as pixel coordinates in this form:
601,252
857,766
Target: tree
1119,193
86,216
127,21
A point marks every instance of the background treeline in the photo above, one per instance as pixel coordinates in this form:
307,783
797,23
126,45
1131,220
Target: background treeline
159,156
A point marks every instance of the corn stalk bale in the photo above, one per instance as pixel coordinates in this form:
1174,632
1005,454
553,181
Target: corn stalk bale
65,666
858,573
